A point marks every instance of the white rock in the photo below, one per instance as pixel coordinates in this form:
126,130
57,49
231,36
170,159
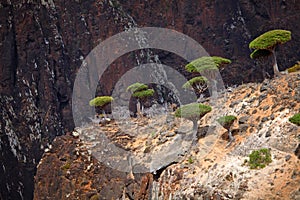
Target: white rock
75,134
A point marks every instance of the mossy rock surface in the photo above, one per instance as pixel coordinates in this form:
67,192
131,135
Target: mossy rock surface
135,87
193,111
295,119
226,121
101,101
194,81
206,63
269,39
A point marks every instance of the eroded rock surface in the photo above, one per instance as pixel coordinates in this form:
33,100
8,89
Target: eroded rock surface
209,169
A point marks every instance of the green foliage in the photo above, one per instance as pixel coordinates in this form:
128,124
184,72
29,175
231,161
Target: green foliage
194,81
221,61
135,87
190,160
295,68
101,101
140,90
295,119
270,39
143,93
226,121
206,63
193,111
258,53
260,158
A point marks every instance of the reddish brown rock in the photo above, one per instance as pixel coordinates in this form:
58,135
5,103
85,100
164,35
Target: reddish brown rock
42,46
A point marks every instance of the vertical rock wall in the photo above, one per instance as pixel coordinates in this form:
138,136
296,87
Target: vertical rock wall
43,43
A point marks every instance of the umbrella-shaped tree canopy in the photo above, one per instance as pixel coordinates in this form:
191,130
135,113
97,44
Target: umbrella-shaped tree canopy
135,87
192,111
226,121
206,63
101,101
199,80
270,39
143,93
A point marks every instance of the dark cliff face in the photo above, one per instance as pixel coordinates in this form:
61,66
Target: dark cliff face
43,44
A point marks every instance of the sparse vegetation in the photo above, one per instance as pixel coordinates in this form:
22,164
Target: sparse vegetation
295,68
265,44
260,158
295,119
190,160
193,112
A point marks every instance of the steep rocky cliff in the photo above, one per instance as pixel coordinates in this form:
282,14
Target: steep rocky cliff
210,169
43,43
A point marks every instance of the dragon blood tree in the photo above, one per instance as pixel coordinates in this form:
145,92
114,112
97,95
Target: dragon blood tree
199,82
208,67
141,92
100,102
265,45
193,112
226,122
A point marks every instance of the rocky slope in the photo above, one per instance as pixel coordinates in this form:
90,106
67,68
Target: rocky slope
211,169
43,43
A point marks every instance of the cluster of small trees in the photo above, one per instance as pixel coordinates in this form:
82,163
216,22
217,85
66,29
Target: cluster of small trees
141,92
208,67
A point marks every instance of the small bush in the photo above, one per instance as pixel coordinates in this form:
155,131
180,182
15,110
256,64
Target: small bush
295,68
295,119
190,160
260,158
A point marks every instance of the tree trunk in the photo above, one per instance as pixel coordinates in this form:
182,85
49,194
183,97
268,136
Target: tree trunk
138,109
275,66
231,138
195,126
214,92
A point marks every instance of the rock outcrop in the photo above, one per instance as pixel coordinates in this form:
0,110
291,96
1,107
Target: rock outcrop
88,164
43,44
